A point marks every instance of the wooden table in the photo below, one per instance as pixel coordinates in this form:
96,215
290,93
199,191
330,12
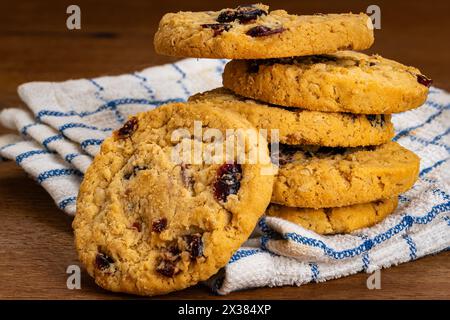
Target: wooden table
36,242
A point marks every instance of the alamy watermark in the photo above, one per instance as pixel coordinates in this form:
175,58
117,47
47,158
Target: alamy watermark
374,281
73,21
374,12
74,279
215,146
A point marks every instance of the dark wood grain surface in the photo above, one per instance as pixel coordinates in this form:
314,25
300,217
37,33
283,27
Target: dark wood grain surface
36,242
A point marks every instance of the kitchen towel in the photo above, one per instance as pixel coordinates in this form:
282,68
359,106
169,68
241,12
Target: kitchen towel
56,141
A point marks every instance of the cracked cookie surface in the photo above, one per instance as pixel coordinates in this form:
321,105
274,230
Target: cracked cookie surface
322,177
345,81
254,32
148,224
336,220
300,126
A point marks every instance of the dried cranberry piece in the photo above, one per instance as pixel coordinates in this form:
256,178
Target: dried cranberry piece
174,250
194,245
128,175
218,28
103,261
376,120
226,16
262,31
249,15
167,268
244,14
159,225
137,225
128,128
424,80
228,181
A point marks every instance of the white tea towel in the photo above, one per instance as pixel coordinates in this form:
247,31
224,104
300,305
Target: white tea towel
69,120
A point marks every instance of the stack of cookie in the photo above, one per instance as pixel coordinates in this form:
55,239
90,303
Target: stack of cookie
148,224
350,175
338,168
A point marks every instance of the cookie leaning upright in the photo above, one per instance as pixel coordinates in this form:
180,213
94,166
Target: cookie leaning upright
254,32
151,217
344,81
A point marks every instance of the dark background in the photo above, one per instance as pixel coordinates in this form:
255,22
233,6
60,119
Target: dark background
36,242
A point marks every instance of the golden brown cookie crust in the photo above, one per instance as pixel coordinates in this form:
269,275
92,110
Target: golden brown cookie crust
147,225
339,220
336,177
182,35
346,81
300,126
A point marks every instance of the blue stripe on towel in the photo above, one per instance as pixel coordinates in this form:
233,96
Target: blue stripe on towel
431,168
180,81
71,125
70,156
144,84
57,173
110,105
52,139
65,202
411,245
243,253
25,128
91,142
314,272
31,153
431,118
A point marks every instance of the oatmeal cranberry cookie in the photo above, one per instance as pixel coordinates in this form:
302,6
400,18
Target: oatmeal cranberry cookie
299,126
254,32
341,82
336,220
147,224
322,177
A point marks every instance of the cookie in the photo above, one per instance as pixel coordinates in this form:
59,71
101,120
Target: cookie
336,220
149,224
299,126
322,177
346,81
254,32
